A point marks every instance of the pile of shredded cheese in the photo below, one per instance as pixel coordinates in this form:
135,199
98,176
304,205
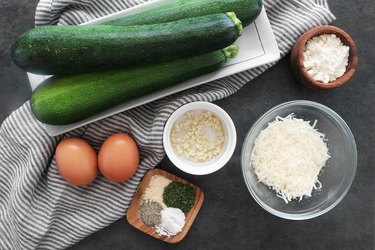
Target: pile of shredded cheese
288,156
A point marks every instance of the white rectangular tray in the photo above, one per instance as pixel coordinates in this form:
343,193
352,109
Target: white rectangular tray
257,46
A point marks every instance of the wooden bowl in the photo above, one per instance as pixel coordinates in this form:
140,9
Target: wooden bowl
297,58
133,213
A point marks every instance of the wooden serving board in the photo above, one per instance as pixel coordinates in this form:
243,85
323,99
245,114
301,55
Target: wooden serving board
133,214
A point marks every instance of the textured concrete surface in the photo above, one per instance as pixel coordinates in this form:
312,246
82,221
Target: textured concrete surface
230,218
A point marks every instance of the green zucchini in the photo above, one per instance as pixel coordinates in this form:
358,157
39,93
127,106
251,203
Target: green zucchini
78,49
246,10
67,99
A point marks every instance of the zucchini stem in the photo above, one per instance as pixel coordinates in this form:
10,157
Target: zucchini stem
230,52
237,22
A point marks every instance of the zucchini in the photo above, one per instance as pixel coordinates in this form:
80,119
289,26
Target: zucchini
67,99
246,10
78,49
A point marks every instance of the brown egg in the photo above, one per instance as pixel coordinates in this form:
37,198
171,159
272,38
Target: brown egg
76,161
118,157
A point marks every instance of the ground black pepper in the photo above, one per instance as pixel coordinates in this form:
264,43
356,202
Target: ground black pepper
179,195
149,213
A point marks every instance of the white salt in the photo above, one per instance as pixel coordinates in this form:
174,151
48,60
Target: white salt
172,222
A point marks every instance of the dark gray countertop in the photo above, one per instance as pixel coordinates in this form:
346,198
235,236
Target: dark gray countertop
230,218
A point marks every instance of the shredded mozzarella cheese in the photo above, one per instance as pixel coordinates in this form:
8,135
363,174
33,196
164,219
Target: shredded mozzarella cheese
288,156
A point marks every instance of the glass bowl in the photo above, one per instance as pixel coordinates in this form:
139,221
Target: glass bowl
336,177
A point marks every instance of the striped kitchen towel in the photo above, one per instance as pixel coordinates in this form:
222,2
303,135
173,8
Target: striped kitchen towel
38,209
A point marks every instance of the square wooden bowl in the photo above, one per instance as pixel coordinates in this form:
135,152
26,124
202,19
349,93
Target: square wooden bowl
133,213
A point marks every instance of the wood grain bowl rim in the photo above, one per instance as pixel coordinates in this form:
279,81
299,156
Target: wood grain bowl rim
299,49
132,213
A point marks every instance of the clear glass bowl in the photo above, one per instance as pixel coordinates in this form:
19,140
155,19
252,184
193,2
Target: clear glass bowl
336,177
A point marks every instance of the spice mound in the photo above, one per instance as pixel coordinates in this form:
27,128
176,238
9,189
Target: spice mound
164,203
172,222
198,137
179,195
288,156
155,189
325,57
149,213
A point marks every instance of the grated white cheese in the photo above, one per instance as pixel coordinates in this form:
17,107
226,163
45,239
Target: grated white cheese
288,156
325,57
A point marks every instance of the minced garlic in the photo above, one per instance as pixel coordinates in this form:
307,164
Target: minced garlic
198,138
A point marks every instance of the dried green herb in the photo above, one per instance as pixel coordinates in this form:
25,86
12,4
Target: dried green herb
179,195
149,213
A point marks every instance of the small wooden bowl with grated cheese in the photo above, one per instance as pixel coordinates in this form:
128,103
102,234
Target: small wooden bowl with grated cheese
324,58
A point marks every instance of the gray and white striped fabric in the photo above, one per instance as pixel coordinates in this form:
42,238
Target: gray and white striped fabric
38,209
